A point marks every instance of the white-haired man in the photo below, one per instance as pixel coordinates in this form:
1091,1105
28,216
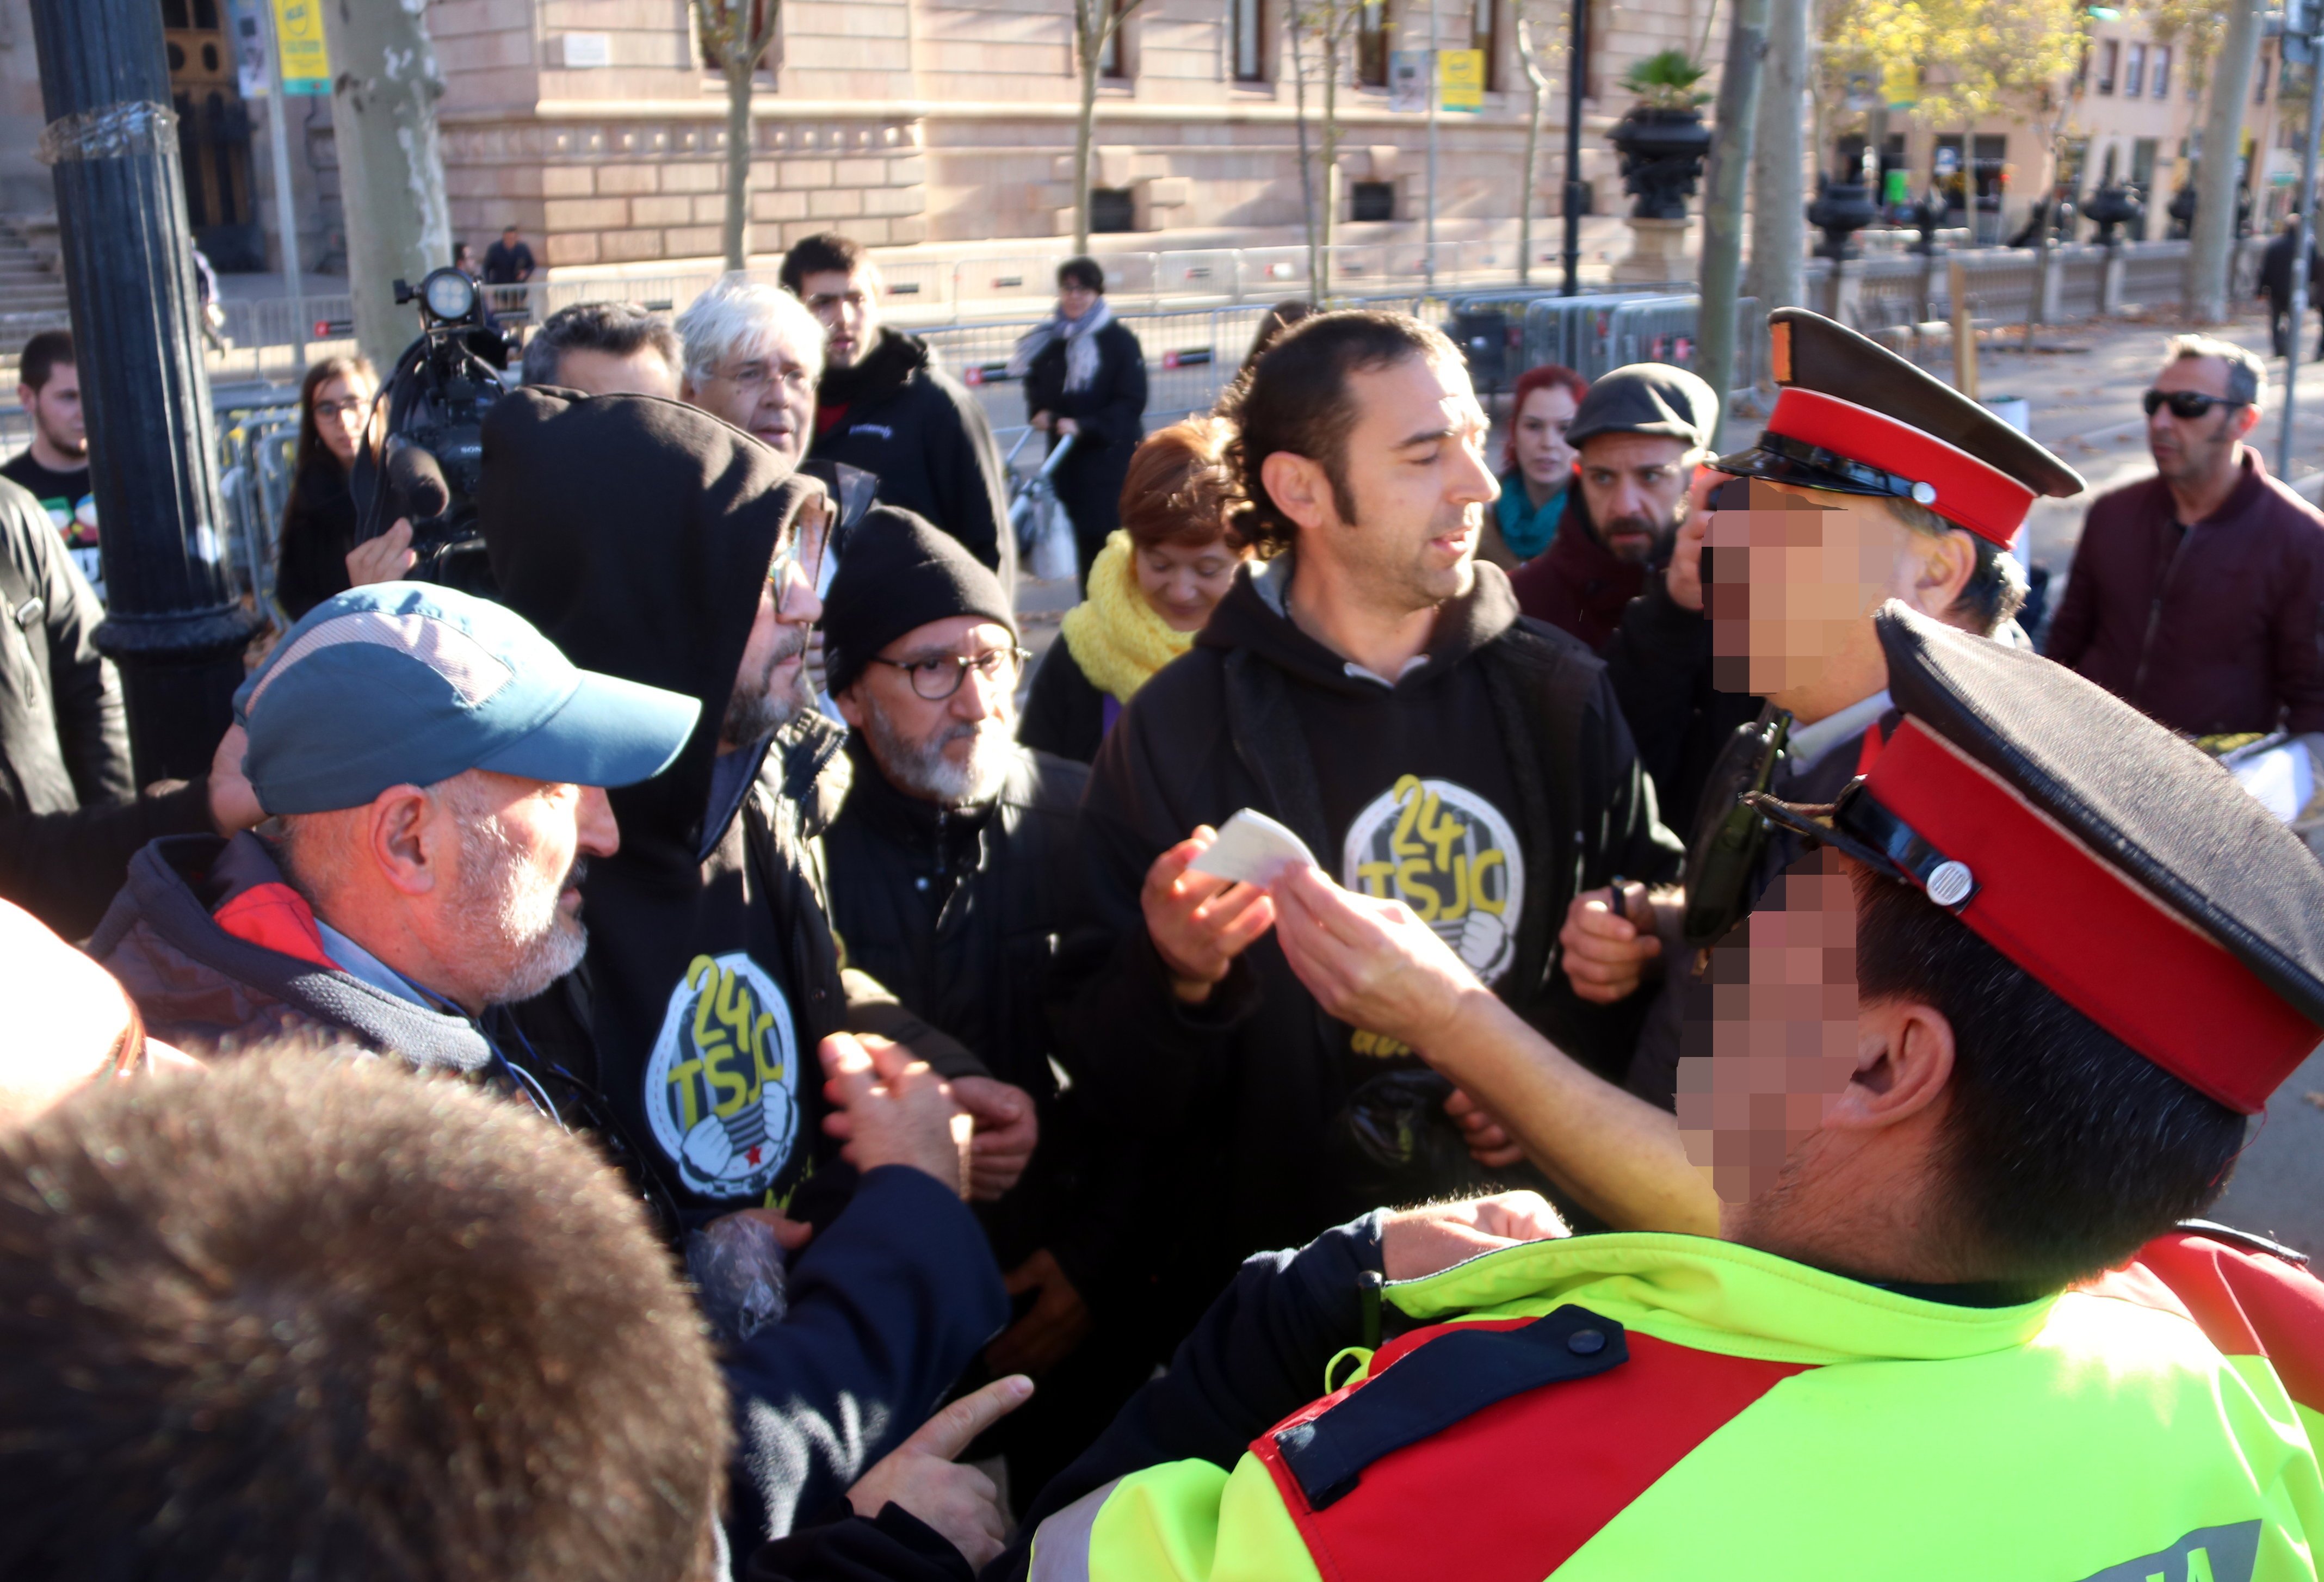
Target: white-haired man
752,355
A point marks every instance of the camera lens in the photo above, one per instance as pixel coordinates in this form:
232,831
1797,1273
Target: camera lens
449,293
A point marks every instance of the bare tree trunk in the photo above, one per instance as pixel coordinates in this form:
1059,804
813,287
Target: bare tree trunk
1777,275
2210,261
1306,160
1082,132
391,163
1540,87
738,164
1322,276
1722,205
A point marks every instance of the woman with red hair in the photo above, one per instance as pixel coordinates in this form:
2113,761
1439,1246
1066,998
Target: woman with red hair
1537,466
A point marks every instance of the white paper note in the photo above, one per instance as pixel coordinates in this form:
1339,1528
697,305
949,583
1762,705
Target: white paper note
1253,848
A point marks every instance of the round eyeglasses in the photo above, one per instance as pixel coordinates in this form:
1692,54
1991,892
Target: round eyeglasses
938,677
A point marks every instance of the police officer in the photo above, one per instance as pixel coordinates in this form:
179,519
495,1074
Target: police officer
2061,959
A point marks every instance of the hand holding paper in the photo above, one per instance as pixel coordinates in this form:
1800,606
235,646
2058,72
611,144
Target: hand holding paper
1254,849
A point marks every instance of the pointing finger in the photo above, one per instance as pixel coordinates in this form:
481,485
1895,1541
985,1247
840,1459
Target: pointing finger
954,1428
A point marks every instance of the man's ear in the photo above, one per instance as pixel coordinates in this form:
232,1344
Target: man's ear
401,839
1903,1064
1299,487
851,704
2247,418
1946,564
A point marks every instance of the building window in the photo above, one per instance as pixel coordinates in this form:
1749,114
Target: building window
2161,71
1371,44
1371,200
1250,35
1484,33
1113,58
2110,59
1112,210
2082,70
2133,72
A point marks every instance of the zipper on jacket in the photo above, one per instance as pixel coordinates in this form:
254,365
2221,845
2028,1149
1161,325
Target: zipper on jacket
2154,613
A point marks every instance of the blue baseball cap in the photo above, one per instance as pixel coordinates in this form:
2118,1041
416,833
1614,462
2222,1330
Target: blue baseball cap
408,684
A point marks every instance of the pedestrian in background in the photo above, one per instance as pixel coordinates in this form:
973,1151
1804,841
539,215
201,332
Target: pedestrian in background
318,518
55,466
1536,467
2194,593
1155,585
884,406
1084,378
2275,280
508,261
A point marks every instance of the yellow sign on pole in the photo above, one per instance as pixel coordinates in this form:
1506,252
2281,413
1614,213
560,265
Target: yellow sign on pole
300,49
1460,80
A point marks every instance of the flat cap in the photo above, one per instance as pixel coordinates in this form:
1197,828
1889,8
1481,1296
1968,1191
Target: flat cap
1648,398
1854,418
2117,864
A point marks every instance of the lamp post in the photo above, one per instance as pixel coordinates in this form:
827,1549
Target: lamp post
172,623
1576,67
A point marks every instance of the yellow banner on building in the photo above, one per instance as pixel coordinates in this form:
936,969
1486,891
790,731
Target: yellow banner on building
1461,79
299,48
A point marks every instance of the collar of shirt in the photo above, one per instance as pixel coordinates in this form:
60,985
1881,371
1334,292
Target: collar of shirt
1810,744
359,963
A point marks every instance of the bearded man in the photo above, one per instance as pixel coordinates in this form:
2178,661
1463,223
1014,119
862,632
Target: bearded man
952,859
435,770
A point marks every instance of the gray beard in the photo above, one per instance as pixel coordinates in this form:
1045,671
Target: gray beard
512,922
920,768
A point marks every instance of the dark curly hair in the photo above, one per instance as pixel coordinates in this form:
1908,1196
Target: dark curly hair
1296,399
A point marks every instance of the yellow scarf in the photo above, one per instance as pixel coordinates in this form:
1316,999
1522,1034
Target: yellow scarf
1114,635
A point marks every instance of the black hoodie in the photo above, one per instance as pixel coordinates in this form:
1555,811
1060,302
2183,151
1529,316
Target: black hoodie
1486,786
926,438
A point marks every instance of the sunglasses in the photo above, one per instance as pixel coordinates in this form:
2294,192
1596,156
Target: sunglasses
2184,403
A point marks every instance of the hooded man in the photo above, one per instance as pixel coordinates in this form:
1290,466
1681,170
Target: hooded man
882,405
656,543
1370,687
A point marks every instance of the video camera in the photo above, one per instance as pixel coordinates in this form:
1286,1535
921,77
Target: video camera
432,460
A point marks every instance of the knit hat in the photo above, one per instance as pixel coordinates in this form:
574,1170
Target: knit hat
897,574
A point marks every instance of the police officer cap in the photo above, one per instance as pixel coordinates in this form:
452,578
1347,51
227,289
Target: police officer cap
2121,867
1648,398
1853,417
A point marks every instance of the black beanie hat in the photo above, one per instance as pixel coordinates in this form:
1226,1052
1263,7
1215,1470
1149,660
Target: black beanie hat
897,573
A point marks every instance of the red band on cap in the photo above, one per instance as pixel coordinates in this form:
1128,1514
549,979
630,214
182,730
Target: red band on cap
2095,936
1971,493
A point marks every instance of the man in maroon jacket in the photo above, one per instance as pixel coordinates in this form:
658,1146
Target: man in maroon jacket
2194,593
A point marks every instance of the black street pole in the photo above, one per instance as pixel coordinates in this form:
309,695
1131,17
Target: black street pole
1576,69
171,623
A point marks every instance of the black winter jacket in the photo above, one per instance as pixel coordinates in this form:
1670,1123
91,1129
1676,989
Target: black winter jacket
1108,415
70,818
1064,712
636,533
1512,756
926,438
318,529
1659,663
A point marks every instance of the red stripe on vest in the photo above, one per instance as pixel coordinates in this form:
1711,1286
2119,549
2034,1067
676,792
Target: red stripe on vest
275,917
1509,1493
2249,1304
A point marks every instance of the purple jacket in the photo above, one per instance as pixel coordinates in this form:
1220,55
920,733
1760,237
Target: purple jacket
2212,628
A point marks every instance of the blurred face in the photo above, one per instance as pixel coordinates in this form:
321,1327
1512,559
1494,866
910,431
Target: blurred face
1074,298
950,751
1184,582
772,686
342,407
55,409
594,372
1544,458
1416,472
769,394
847,305
1770,1038
1636,484
2193,449
1792,578
512,919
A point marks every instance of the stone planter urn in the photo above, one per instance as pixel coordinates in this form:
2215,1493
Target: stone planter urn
1663,151
2111,207
1841,209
